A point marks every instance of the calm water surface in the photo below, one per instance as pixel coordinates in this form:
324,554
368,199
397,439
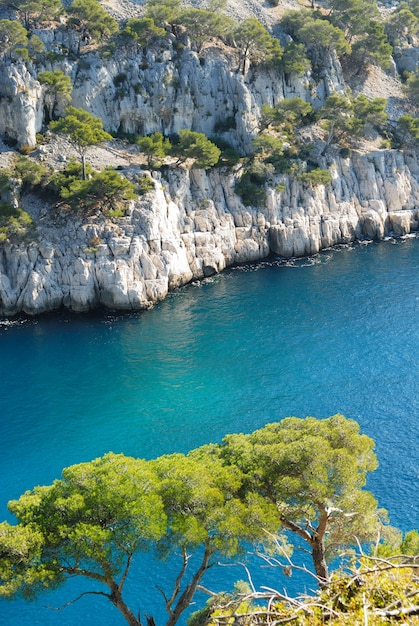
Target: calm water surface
337,333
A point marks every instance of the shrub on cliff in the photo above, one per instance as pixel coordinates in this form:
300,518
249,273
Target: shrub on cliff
31,174
407,130
58,88
155,147
91,21
316,177
63,179
412,86
106,191
139,32
251,186
16,225
197,147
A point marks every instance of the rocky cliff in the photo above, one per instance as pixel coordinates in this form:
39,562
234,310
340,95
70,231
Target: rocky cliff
193,224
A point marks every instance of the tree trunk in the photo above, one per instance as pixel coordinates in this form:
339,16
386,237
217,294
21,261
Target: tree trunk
319,560
117,600
83,163
187,596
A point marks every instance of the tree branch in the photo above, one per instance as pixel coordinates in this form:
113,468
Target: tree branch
85,593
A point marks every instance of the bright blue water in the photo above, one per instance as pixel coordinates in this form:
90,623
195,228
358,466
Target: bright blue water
338,333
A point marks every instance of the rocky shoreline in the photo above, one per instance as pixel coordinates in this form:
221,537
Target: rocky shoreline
193,225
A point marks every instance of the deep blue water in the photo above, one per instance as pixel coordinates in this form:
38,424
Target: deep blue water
336,333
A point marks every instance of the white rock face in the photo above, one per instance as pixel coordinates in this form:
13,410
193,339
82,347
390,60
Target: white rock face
193,225
163,90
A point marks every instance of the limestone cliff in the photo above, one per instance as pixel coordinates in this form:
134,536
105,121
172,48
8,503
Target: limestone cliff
194,225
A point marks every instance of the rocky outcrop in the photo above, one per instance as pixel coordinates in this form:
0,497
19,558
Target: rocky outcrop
194,225
161,89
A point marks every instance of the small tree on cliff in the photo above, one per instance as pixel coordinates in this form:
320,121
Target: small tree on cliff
12,35
58,88
155,147
255,44
82,129
314,471
196,146
91,21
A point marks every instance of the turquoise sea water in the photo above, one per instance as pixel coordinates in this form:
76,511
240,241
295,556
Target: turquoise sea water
336,333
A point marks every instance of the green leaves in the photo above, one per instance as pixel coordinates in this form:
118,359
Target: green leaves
12,35
155,147
202,24
197,146
306,475
347,118
89,16
255,44
82,128
142,30
314,471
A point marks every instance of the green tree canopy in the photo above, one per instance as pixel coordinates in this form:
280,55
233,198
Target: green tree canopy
205,518
141,31
107,191
288,113
82,129
12,35
372,48
347,118
91,21
314,471
321,38
202,24
401,25
318,35
155,147
163,12
255,44
412,86
196,146
353,16
295,60
58,89
90,523
408,129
